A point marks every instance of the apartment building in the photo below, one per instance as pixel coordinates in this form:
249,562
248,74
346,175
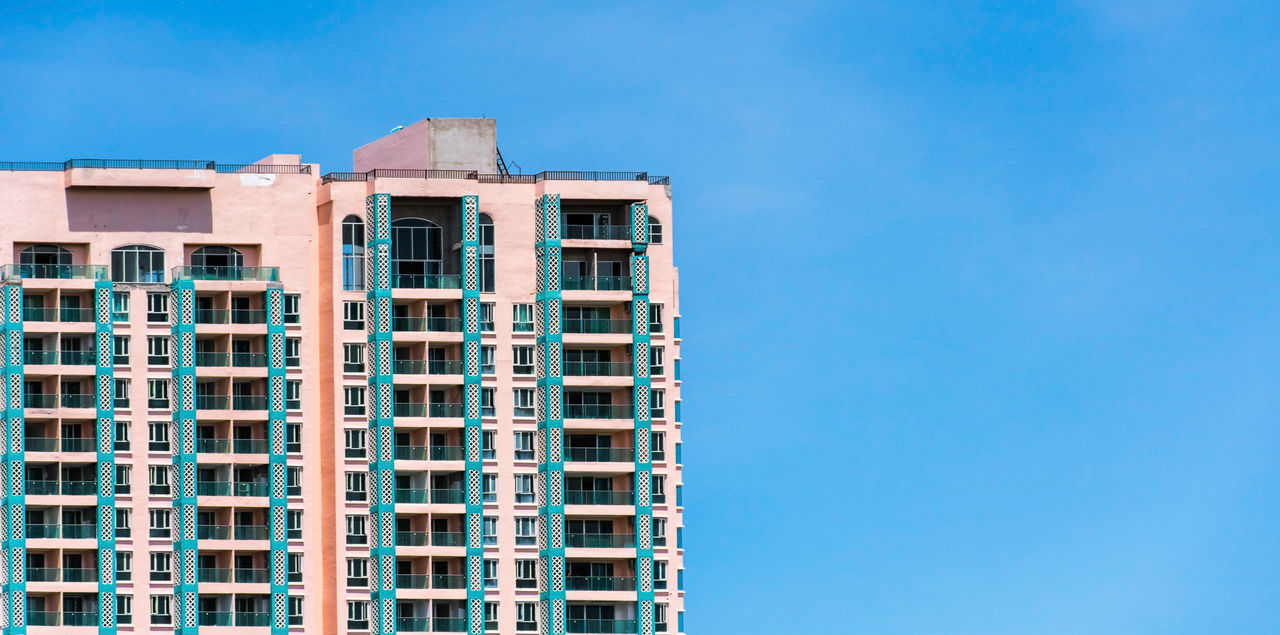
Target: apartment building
425,396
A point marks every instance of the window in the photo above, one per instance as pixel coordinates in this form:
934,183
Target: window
293,523
486,403
358,614
120,306
44,261
120,350
295,609
161,566
292,351
293,480
353,358
358,572
486,317
137,263
490,530
486,360
655,231
353,244
158,479
660,575
659,532
655,318
123,474
292,308
657,403
123,530
158,350
524,444
522,318
159,522
353,400
158,436
522,360
655,361
124,609
523,402
212,259
357,486
490,571
657,446
353,315
122,436
526,574
157,307
659,488
354,442
486,254
293,394
124,565
489,489
526,530
417,253
524,488
487,439
356,534
526,616
122,393
162,609
491,608
295,567
158,393
660,608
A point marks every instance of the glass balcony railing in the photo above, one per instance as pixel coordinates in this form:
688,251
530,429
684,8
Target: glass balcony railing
597,411
248,316
597,369
412,538
40,444
79,575
433,367
449,625
44,618
412,624
447,496
598,497
601,541
39,358
37,400
207,574
70,400
595,583
213,446
434,453
79,531
446,410
39,314
592,326
42,531
602,455
211,316
411,580
252,489
213,402
427,324
79,445
251,576
44,574
601,626
213,532
79,488
419,496
251,532
595,283
249,446
214,618
213,488
212,359
595,232
425,281
252,619
81,618
249,360
443,581
248,402
259,274
409,409
57,272
78,358
41,488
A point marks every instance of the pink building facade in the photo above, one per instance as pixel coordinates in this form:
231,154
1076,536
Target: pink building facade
429,396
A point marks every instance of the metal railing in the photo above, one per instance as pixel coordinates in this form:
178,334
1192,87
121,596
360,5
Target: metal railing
601,541
597,369
427,324
152,164
599,497
425,281
552,175
57,272
601,626
260,274
592,326
595,283
595,232
599,583
602,455
597,411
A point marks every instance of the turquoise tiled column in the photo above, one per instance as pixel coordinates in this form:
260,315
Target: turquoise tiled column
639,214
279,504
380,406
104,379
14,524
182,439
549,357
471,412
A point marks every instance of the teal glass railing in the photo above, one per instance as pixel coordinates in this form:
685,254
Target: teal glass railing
57,272
597,369
260,274
598,497
597,411
425,281
591,326
602,455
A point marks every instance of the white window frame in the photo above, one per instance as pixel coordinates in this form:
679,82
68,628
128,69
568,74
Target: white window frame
522,360
352,312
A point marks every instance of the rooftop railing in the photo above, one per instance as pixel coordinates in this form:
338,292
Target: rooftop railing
552,175
152,164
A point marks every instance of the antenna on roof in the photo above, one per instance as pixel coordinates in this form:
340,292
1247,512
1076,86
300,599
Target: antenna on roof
396,129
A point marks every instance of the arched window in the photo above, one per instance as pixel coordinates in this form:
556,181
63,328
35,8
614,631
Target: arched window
417,252
353,243
137,263
45,261
486,254
217,256
655,231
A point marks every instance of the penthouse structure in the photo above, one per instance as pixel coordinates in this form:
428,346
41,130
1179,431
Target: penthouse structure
425,396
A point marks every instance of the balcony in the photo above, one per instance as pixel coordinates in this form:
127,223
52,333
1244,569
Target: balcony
79,445
37,400
450,625
443,581
251,532
251,576
243,274
597,369
598,497
597,411
39,358
213,532
595,232
44,618
80,619
448,538
43,574
237,360
601,626
71,400
69,488
413,409
427,324
213,488
411,581
213,446
253,619
435,453
425,281
248,316
249,446
602,541
79,575
412,538
248,402
212,402
421,496
79,531
213,618
412,624
595,283
78,358
57,272
425,367
599,583
602,455
42,531
581,326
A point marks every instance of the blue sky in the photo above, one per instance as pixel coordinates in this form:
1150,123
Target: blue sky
979,299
